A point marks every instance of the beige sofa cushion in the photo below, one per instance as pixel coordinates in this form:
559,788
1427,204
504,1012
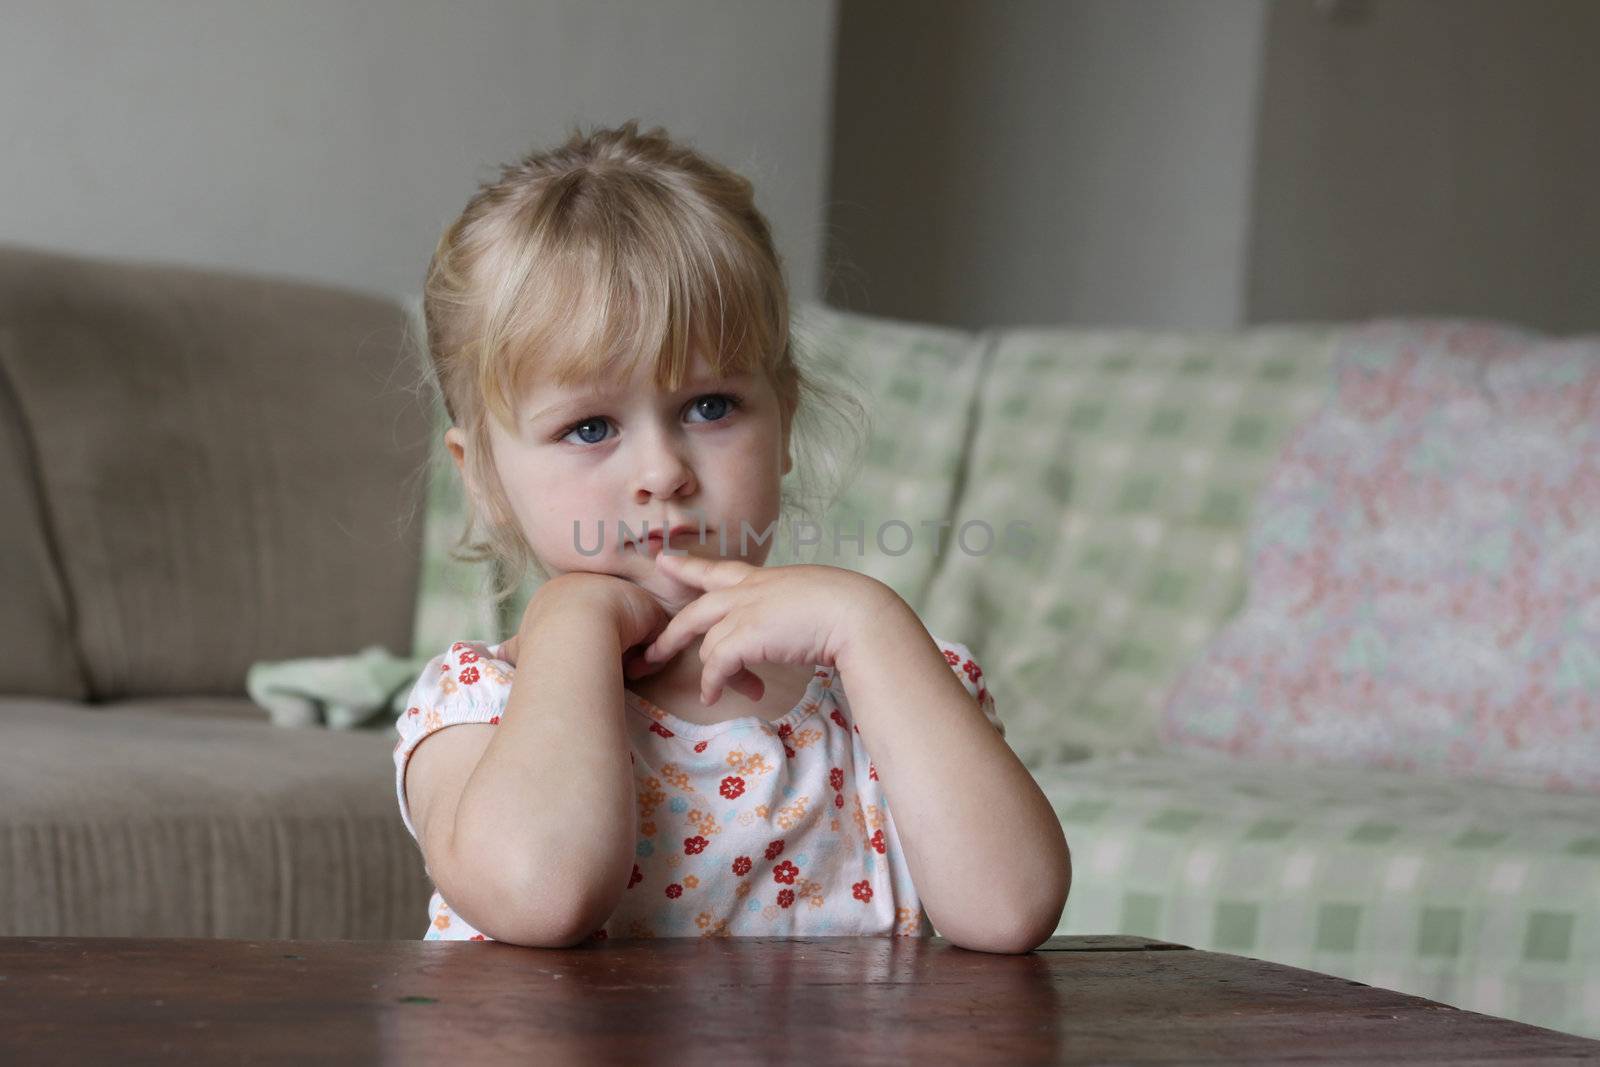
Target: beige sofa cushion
197,818
228,469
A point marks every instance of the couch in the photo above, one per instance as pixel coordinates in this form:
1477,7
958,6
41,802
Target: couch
234,515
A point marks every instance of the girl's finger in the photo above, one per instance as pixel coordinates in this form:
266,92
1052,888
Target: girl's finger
724,654
696,618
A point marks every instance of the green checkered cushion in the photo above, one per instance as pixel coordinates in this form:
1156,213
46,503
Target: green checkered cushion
1134,456
917,383
1475,894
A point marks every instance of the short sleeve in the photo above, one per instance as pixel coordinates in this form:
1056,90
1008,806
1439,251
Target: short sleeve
468,682
960,659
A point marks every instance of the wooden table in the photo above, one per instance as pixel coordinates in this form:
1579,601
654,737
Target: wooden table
831,1001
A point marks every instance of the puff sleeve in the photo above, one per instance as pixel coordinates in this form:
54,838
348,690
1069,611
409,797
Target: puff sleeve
960,659
468,682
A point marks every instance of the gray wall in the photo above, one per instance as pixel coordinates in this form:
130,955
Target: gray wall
1210,164
1043,161
1430,157
333,139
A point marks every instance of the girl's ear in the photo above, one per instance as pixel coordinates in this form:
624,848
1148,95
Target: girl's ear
456,442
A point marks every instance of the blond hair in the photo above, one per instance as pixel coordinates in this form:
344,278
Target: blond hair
614,250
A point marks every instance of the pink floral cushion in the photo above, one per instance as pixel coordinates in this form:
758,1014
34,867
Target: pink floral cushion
1424,574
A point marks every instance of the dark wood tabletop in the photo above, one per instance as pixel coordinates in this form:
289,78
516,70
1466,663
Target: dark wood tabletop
836,1001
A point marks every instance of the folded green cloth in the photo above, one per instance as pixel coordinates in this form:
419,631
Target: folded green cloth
338,692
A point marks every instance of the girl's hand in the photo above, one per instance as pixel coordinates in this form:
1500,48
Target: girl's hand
804,614
638,614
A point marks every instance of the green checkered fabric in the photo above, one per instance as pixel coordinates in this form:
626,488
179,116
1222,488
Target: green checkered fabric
917,383
1474,894
1134,457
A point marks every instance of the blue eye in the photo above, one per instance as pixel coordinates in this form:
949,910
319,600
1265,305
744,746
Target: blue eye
578,428
720,405
727,405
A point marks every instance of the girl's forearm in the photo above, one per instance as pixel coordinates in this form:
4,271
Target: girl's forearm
550,808
985,849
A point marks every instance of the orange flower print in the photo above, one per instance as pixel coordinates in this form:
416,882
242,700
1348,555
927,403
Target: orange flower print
878,843
785,872
468,675
647,829
674,890
732,787
690,882
693,846
432,720
785,897
862,890
775,849
742,865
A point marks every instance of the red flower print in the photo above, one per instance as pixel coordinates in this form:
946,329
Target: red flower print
478,937
836,778
495,721
951,657
983,694
458,646
693,846
598,935
972,670
636,877
837,716
742,865
788,752
785,872
732,787
775,849
468,675
878,842
468,656
862,890
701,747
785,730
657,728
674,890
872,772
785,897
838,800
413,711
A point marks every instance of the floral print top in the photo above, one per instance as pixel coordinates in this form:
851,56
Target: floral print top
747,828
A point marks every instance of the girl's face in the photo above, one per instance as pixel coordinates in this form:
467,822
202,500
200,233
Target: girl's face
608,454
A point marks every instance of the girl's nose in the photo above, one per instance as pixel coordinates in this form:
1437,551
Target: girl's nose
663,472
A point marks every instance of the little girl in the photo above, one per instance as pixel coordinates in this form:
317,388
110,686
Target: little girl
665,747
